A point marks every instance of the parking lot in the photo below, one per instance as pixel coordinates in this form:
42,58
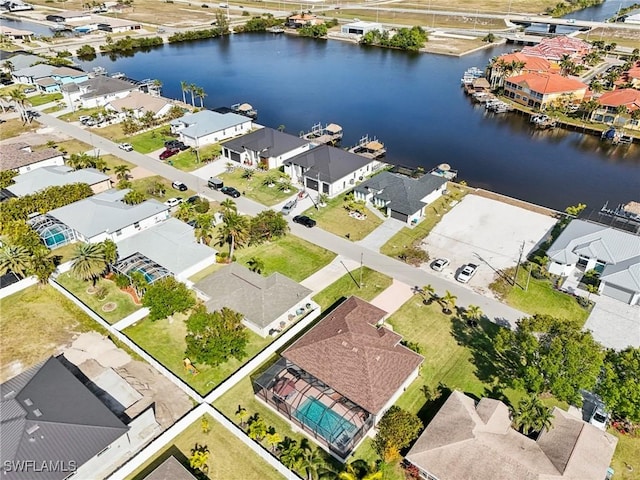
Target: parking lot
487,233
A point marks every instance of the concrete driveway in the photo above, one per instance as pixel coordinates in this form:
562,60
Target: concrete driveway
614,324
488,233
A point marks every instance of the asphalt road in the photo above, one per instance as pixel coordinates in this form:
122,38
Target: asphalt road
492,309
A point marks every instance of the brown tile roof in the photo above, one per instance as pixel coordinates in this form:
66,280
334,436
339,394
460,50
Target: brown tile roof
533,64
546,83
628,97
465,441
16,155
349,353
139,101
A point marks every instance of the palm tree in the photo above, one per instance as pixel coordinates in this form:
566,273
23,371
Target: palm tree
204,228
235,231
269,180
185,211
311,461
88,261
15,259
242,415
78,161
273,438
474,313
430,292
122,171
285,186
110,252
591,289
290,453
255,264
531,415
20,99
139,282
228,206
192,91
184,87
43,265
596,86
448,302
200,93
100,164
360,470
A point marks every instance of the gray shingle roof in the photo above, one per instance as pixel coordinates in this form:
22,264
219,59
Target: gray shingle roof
270,297
268,141
403,194
105,212
206,122
22,60
16,155
330,163
44,177
104,85
170,469
36,71
48,415
625,274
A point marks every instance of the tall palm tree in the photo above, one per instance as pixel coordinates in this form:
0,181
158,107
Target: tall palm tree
290,453
43,265
78,161
532,415
429,292
200,93
255,264
448,302
88,261
184,86
100,164
474,313
235,231
192,91
122,171
185,211
110,252
228,206
204,228
16,259
311,461
20,100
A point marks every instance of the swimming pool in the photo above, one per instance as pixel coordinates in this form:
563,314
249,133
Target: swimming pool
324,421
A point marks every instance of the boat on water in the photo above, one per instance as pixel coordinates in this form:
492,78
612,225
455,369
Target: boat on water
275,29
498,106
541,120
330,134
245,109
470,75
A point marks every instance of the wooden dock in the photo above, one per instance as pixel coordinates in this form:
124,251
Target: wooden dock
370,148
330,134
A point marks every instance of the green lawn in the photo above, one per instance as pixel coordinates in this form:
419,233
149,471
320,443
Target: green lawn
540,297
188,160
147,142
254,188
335,218
69,146
34,324
374,283
290,255
142,184
627,453
43,98
165,341
221,444
434,212
112,161
124,302
75,116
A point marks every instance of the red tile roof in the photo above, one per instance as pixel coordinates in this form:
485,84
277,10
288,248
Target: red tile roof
625,96
349,353
546,83
535,64
553,48
633,72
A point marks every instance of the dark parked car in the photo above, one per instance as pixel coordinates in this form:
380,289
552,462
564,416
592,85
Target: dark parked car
193,199
169,152
232,192
179,186
175,144
304,220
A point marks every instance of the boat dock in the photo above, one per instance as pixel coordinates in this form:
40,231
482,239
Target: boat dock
245,109
542,121
444,170
330,134
275,29
370,148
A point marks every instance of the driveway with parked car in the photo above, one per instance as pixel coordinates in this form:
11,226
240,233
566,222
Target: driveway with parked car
486,233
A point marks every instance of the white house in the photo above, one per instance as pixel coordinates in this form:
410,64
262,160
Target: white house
97,91
265,147
41,178
137,104
614,254
360,28
329,170
20,157
206,127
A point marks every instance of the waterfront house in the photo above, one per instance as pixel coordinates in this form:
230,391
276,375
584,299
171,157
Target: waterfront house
614,254
97,91
20,157
469,440
14,34
95,219
329,170
136,104
69,16
402,197
206,127
537,90
19,61
303,20
58,175
54,425
49,78
265,147
610,109
276,300
116,25
511,64
338,379
358,29
555,48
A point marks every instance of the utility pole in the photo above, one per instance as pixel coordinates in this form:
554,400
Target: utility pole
515,277
526,289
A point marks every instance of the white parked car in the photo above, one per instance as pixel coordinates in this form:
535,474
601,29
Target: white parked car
440,264
599,417
173,202
467,272
127,147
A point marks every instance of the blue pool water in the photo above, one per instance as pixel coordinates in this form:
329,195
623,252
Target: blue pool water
56,238
323,420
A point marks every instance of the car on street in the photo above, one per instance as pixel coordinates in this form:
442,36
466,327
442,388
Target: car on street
467,272
440,264
290,205
29,90
127,147
175,144
173,202
304,220
232,192
179,186
599,417
169,152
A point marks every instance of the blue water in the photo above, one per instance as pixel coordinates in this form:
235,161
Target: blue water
323,420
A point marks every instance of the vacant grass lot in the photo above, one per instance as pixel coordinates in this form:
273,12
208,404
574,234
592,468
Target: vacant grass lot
37,100
254,188
147,142
480,5
374,283
34,324
69,146
165,340
393,16
335,218
142,185
188,160
627,454
14,127
434,212
124,302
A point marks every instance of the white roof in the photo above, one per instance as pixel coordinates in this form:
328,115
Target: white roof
366,25
44,177
206,122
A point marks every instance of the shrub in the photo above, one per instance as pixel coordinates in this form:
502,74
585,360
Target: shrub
414,255
122,281
101,292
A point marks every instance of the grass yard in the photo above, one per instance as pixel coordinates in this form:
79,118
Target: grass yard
434,212
254,189
69,146
395,16
34,324
205,272
165,340
540,297
37,100
142,184
75,116
188,160
14,127
335,218
480,5
627,454
124,302
112,161
147,142
374,284
290,255
221,444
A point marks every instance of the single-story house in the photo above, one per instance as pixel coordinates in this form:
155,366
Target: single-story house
137,104
469,440
339,378
170,469
614,254
269,304
20,61
611,101
554,48
330,170
633,75
98,91
206,127
16,34
69,16
404,198
265,147
360,28
53,427
20,157
95,219
304,19
170,246
540,89
49,78
44,177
